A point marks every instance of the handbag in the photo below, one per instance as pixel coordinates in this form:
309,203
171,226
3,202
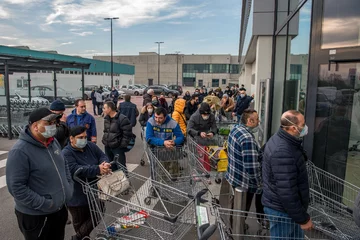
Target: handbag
112,184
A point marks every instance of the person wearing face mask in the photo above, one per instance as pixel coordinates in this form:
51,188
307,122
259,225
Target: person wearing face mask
38,178
155,101
202,125
187,96
244,166
162,102
285,178
191,106
242,103
80,153
146,112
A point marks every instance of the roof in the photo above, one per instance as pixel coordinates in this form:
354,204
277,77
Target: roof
23,60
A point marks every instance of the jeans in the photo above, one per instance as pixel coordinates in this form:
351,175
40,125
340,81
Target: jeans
99,106
43,227
94,107
112,152
282,226
238,118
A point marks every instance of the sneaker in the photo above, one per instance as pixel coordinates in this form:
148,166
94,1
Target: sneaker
264,223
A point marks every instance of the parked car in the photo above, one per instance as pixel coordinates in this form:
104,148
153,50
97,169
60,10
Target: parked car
132,90
106,93
159,89
177,88
18,97
141,85
47,92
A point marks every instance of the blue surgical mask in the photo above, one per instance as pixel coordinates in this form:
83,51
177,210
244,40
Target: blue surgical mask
50,131
81,143
304,131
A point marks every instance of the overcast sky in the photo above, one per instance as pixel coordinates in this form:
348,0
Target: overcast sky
76,27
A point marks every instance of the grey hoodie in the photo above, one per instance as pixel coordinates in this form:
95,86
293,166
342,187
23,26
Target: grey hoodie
37,176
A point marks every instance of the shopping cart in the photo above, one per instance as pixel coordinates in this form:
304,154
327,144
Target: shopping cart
174,168
330,208
145,145
211,154
130,216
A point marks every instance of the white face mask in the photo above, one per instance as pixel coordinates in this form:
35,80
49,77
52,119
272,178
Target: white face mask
50,131
150,111
304,131
205,117
242,95
81,143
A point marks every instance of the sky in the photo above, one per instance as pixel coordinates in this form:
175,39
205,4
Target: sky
77,27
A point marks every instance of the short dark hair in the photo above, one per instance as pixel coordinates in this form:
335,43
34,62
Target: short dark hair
161,110
77,101
127,98
246,115
111,105
77,130
242,89
291,116
194,96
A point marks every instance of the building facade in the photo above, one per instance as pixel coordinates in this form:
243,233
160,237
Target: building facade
308,51
185,70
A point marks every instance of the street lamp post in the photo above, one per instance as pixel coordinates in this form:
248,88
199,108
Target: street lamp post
158,43
112,60
177,68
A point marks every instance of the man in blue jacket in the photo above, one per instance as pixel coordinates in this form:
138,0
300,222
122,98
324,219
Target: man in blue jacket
114,95
129,109
80,117
80,153
38,178
242,103
285,179
161,130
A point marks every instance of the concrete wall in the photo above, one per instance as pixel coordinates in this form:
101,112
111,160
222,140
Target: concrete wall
146,67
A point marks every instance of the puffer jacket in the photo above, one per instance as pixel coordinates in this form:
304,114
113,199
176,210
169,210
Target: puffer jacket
157,134
285,178
117,131
179,115
147,99
197,124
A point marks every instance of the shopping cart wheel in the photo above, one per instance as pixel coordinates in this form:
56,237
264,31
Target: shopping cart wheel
147,200
218,180
153,192
142,162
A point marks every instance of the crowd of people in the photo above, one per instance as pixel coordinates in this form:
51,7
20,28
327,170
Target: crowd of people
52,147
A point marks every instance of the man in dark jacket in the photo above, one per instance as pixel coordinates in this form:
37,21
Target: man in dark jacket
114,95
148,96
285,179
93,101
242,103
38,178
117,133
80,153
191,106
202,125
79,117
129,109
62,131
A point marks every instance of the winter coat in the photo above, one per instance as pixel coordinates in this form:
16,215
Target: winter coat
144,116
147,99
114,95
163,104
197,124
190,109
187,97
285,178
99,97
229,104
129,109
37,176
179,116
62,134
242,104
85,120
156,135
93,98
117,131
89,160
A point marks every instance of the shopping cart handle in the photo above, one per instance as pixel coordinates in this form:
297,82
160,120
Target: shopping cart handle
171,219
209,231
198,196
76,174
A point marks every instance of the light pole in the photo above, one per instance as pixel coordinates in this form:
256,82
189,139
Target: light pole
158,43
177,67
112,60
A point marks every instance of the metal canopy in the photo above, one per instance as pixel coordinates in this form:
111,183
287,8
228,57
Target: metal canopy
10,63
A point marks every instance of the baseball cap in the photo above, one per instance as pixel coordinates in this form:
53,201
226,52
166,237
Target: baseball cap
42,114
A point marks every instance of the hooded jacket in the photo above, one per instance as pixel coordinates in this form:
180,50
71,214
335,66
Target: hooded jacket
190,109
156,135
89,160
197,124
85,120
117,131
179,115
147,98
37,176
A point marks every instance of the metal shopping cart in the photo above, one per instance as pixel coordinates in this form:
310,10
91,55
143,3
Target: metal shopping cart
330,208
174,168
145,145
129,216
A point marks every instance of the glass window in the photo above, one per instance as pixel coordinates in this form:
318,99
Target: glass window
219,68
234,69
337,132
215,83
19,83
341,24
223,81
25,83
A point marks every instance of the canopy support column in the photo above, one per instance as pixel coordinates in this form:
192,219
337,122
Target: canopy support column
8,104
